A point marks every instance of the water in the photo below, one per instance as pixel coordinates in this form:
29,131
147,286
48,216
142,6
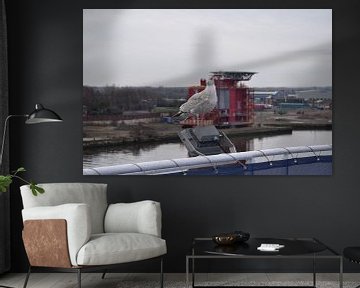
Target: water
137,153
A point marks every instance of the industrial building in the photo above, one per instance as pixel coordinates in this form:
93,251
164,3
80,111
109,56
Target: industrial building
235,100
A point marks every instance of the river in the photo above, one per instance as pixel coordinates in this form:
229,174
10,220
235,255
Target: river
136,153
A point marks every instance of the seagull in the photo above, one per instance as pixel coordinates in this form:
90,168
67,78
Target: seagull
200,103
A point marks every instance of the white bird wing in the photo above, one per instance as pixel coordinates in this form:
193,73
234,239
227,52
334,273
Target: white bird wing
202,102
194,102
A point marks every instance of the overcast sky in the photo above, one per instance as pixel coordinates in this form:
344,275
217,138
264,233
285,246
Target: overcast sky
178,47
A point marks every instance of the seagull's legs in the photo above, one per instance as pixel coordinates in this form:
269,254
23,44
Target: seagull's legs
202,119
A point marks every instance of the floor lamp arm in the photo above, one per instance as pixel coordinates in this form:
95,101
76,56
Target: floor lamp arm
4,134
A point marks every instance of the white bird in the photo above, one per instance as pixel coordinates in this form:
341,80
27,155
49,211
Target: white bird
200,103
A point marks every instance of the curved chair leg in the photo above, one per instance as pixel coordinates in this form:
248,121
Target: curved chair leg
161,273
103,275
27,277
79,277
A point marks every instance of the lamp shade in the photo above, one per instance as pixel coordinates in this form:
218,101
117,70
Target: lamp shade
42,115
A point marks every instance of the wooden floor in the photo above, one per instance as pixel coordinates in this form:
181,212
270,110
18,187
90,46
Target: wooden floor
117,280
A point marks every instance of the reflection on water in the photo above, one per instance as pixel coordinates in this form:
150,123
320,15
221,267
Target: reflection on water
132,154
137,153
296,138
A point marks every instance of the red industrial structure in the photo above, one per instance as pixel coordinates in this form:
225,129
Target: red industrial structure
235,100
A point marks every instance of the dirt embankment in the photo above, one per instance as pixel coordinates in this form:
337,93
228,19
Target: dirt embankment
266,122
300,119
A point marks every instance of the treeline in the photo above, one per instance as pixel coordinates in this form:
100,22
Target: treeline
116,100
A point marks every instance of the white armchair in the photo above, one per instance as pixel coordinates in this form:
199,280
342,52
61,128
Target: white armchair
72,228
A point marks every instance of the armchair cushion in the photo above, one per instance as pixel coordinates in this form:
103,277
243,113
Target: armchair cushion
78,221
113,248
93,194
138,217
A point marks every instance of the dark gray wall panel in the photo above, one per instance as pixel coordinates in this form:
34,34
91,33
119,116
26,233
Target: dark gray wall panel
45,39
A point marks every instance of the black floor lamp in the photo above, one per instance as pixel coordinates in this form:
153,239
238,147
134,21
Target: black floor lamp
39,115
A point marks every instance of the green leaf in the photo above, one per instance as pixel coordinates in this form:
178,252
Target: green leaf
20,169
39,189
5,182
36,189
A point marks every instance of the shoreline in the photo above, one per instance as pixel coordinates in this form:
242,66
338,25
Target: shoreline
265,129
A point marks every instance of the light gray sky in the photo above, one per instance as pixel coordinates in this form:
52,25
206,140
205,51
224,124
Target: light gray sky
287,47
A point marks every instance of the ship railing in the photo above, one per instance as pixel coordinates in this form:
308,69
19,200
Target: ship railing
181,165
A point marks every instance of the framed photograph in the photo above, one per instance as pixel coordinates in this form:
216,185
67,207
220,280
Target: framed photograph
207,92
